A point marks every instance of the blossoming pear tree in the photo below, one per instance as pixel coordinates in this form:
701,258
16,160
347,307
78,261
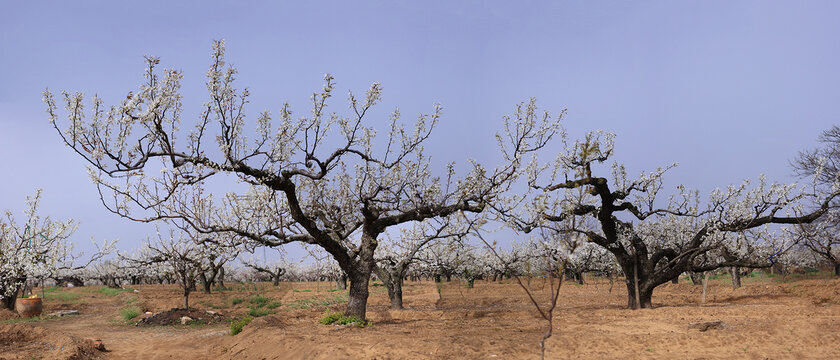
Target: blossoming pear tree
402,251
317,178
655,240
821,237
37,248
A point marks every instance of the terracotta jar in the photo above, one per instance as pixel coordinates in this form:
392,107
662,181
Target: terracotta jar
29,307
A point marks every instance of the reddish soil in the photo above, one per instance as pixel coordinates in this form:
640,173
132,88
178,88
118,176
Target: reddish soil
763,319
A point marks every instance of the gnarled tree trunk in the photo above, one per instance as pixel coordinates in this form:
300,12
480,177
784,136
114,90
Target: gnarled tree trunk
357,302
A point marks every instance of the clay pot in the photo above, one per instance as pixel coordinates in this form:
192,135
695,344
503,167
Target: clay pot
29,307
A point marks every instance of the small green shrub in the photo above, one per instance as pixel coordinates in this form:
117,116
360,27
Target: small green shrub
310,302
237,301
302,290
330,317
130,313
259,300
60,295
274,304
237,325
340,319
256,311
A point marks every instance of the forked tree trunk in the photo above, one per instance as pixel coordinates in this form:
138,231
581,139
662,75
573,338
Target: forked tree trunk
645,295
205,282
392,278
696,278
639,290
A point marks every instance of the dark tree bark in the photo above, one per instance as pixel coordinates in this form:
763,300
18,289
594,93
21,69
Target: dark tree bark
186,297
275,274
9,302
696,278
651,267
393,281
358,296
205,283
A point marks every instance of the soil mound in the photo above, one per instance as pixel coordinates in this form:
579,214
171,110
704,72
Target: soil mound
23,341
174,316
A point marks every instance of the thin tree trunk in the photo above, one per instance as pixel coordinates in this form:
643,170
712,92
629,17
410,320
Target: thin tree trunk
636,283
395,295
735,273
705,285
221,277
341,282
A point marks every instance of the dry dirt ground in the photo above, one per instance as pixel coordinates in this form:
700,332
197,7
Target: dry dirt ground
766,318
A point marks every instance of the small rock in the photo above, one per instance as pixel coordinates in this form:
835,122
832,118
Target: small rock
186,320
95,343
211,312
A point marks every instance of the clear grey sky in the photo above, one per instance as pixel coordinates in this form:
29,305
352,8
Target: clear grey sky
728,89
